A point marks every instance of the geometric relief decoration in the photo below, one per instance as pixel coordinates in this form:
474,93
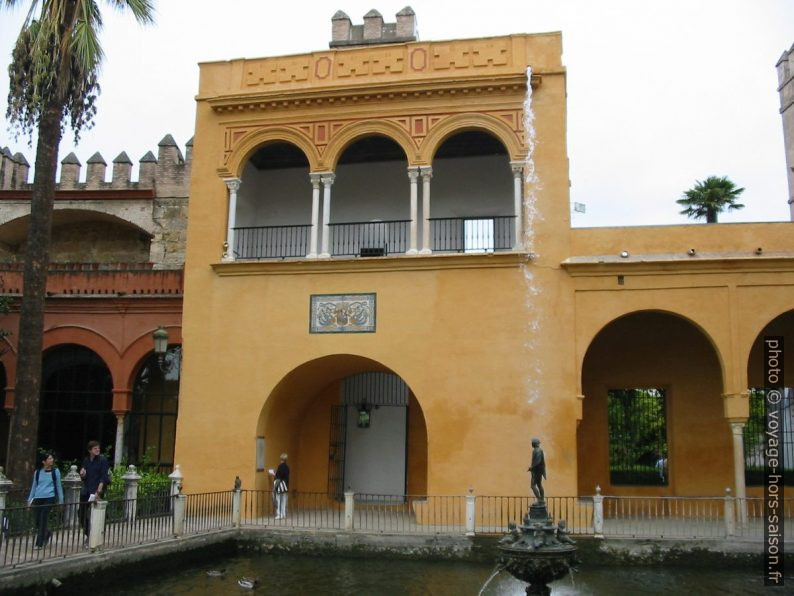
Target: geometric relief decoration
342,313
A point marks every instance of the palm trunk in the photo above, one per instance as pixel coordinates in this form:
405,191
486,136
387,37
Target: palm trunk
23,438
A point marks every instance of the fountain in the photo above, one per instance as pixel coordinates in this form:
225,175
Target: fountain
538,551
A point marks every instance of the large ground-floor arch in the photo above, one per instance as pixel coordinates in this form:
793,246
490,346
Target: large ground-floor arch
347,423
653,420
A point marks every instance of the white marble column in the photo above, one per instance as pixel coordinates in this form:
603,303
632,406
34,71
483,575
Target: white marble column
426,173
315,180
327,180
413,175
233,184
518,201
117,452
737,430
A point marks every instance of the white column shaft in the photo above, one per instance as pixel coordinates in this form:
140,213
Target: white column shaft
117,453
233,184
413,174
518,202
427,174
315,180
737,430
328,180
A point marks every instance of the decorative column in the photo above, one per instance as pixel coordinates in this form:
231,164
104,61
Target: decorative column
233,184
737,430
328,180
349,508
315,180
426,173
176,480
518,200
470,512
117,452
598,513
72,485
413,175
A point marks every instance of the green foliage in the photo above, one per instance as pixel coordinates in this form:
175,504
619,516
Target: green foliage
710,197
637,435
56,59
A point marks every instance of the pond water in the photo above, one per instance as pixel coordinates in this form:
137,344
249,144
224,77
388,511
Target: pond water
299,575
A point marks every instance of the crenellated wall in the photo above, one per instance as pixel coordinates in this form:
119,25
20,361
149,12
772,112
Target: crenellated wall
151,212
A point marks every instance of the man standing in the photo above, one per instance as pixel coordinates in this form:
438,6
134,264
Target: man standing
538,470
94,472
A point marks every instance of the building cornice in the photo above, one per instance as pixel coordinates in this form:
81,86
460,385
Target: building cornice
396,263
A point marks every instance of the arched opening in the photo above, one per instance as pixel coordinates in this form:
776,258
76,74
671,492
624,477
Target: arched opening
150,426
76,402
370,210
473,206
274,202
781,326
652,418
347,422
81,236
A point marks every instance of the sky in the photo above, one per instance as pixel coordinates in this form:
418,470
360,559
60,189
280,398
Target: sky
660,93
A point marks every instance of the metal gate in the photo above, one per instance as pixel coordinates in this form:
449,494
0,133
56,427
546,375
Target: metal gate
336,452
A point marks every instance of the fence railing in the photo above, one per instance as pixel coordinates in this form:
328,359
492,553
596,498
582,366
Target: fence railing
132,521
472,234
271,242
373,238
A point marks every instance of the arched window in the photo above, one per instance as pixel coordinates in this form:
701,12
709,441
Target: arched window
151,425
76,402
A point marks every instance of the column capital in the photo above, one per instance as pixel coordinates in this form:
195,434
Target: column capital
315,180
517,167
233,184
328,178
426,172
413,173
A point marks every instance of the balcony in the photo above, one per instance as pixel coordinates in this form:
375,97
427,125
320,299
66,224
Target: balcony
478,234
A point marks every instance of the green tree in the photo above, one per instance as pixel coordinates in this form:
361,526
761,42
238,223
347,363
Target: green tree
53,79
710,197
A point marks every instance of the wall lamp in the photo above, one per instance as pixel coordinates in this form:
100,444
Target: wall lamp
364,416
160,337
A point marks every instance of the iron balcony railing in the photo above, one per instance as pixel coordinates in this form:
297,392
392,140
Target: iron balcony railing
373,238
271,242
472,234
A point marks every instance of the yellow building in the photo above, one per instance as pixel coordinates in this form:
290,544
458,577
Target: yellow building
382,281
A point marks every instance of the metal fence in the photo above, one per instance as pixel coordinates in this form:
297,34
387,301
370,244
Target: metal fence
305,510
472,234
373,238
271,242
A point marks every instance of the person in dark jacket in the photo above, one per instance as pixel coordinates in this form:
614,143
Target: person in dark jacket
94,472
44,492
281,486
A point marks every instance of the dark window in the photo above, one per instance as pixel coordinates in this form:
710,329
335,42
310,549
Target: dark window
76,402
151,425
755,441
637,420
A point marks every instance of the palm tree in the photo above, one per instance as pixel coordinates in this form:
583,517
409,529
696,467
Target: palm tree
53,77
710,197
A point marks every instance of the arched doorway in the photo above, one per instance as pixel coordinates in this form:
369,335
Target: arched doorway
347,423
76,402
754,429
150,426
652,417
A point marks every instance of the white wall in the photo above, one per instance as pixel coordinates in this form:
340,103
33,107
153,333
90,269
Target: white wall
375,456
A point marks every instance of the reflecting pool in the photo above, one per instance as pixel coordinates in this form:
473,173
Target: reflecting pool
299,575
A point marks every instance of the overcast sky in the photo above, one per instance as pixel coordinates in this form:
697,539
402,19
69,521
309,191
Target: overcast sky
660,93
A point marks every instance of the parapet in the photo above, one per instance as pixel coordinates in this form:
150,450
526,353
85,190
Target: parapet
374,30
169,171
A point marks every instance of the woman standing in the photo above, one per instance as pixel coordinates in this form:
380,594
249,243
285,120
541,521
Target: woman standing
281,486
44,491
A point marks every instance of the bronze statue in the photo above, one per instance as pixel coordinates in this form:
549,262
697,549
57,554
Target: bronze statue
538,470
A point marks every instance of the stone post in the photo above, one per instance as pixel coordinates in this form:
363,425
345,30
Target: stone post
349,505
328,180
413,176
179,515
72,486
176,480
427,173
233,184
730,514
518,201
131,480
97,536
236,507
470,512
5,486
598,514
